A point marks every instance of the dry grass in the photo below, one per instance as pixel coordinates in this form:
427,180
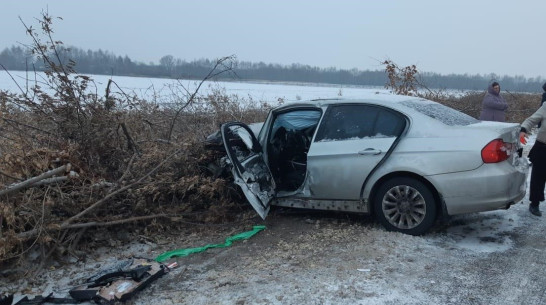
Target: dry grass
119,156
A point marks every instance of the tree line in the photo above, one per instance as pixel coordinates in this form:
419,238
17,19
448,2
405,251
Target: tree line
106,63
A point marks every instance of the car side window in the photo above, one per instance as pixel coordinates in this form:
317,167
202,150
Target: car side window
344,122
389,124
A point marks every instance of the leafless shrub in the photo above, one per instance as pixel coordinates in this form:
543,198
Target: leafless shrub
402,80
131,161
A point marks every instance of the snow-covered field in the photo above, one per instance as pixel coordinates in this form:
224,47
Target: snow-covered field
161,89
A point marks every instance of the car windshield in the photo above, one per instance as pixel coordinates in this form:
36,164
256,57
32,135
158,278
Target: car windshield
444,114
296,120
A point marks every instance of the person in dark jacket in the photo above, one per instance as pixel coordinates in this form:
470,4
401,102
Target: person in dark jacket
543,99
537,156
493,105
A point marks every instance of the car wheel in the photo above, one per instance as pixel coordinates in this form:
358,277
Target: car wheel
405,205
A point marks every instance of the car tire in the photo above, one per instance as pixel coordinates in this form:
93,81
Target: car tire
405,205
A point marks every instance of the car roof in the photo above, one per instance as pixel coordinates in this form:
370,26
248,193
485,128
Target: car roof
415,107
390,100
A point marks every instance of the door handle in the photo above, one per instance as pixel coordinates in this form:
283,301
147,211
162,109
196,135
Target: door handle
370,151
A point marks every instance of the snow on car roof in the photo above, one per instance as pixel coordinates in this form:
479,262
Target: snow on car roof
406,104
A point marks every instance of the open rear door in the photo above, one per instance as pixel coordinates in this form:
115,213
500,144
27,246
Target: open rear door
248,166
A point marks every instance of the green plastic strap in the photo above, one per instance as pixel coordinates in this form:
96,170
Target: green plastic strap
185,252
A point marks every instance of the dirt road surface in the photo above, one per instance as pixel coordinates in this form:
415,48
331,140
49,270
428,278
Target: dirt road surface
307,257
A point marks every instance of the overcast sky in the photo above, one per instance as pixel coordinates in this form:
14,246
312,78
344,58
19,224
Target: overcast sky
462,36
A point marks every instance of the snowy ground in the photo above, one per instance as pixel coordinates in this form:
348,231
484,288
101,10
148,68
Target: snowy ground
164,90
304,257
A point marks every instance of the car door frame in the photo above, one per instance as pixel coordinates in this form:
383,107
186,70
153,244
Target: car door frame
252,173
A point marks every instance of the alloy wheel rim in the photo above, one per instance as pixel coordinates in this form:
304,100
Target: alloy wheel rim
404,207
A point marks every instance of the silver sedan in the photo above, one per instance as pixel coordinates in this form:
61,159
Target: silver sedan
405,160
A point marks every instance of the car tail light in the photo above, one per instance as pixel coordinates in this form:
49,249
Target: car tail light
496,151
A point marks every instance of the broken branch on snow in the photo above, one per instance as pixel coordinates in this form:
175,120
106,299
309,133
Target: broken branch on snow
32,181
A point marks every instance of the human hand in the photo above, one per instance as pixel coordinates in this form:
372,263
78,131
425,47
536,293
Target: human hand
523,137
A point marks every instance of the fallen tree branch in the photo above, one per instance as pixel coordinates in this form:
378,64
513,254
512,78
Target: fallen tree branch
131,145
112,223
51,180
128,169
105,199
29,182
103,184
33,232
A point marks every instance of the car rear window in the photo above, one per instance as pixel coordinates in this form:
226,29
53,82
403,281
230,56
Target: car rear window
442,113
